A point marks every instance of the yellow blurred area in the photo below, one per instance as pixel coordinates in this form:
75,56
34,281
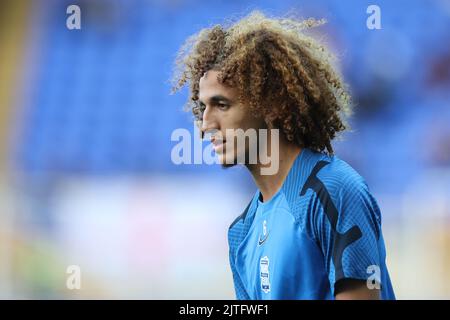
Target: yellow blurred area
13,25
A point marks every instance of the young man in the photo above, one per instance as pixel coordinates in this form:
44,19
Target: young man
312,229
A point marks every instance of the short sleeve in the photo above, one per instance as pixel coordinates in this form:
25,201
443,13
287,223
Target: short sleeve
347,229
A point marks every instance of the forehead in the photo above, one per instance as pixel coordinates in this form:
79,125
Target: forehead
210,86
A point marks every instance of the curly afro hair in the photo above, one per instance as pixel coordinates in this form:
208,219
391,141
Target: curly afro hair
280,73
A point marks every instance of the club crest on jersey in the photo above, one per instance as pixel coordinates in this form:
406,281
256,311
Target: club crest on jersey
264,274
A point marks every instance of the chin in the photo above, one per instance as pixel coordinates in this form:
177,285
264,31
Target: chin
224,163
228,165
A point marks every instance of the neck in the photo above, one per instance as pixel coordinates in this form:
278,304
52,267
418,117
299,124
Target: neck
270,184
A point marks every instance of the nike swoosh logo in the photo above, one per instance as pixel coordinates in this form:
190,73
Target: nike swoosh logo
261,241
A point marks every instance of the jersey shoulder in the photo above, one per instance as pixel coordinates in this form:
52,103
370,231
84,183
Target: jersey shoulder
349,195
338,177
332,185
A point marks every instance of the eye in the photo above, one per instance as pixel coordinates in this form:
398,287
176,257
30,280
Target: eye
223,106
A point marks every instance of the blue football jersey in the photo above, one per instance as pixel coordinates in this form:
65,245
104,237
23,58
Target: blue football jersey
322,226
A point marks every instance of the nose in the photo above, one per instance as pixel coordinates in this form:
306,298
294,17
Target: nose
208,122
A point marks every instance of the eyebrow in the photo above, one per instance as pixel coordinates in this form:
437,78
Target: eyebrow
216,99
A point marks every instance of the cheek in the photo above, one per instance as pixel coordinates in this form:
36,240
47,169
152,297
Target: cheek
233,121
238,118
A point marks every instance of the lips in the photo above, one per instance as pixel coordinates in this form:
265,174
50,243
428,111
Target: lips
217,144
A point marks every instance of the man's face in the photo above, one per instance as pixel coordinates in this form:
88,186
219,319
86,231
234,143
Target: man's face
222,111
